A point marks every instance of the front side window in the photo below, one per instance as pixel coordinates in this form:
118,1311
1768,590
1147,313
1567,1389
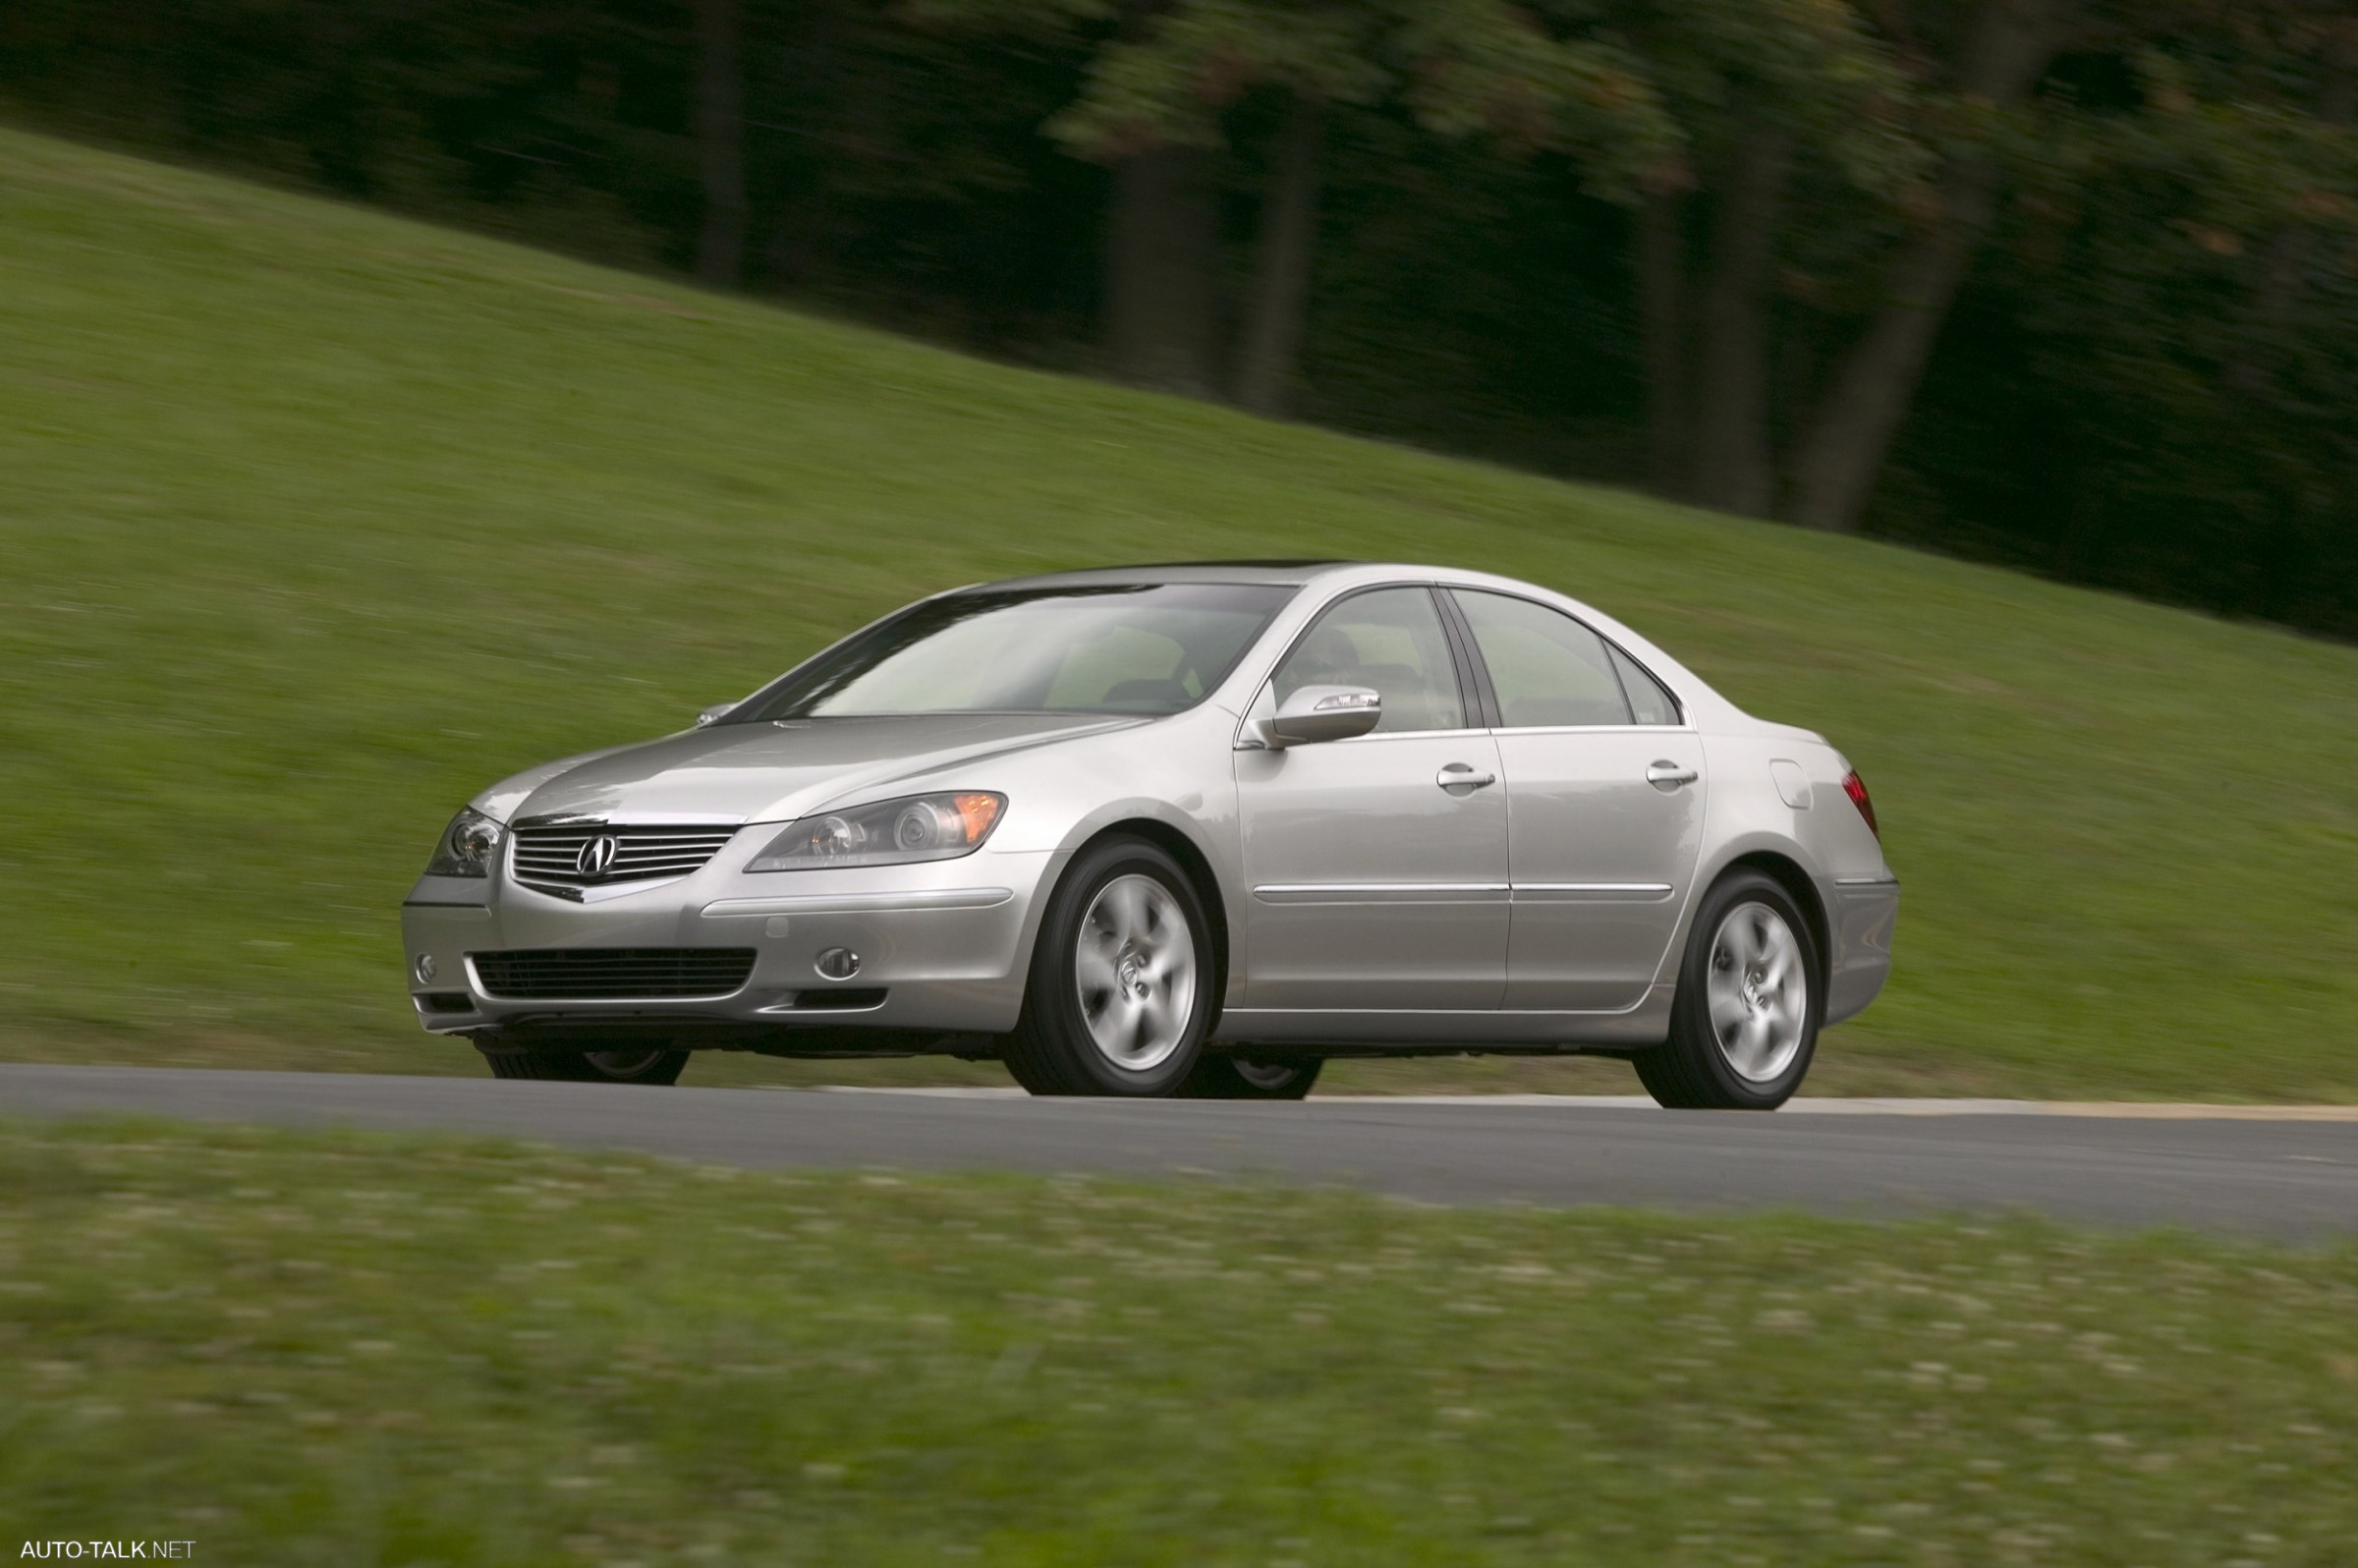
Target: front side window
1387,638
1146,649
1546,668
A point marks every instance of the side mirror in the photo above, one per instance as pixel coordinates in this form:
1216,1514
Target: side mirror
713,715
1316,713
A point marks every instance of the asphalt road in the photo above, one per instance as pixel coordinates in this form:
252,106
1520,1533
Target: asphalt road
2292,1179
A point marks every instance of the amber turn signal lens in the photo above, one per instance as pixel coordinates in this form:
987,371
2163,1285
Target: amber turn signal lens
976,812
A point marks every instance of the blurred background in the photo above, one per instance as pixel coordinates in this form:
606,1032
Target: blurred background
2068,285
396,394
402,393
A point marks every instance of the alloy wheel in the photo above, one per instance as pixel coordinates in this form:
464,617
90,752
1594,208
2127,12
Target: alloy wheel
1758,990
623,1064
1267,1077
1134,968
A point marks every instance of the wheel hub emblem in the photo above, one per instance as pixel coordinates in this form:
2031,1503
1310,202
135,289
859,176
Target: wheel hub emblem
597,855
1132,975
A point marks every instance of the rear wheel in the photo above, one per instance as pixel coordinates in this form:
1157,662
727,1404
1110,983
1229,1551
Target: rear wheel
651,1064
1120,991
1744,1024
1252,1077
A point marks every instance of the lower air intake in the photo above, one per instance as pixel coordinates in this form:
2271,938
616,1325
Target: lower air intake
615,974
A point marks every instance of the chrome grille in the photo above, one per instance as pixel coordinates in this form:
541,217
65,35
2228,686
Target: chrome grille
610,973
551,857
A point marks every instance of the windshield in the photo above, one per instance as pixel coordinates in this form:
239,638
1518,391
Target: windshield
1146,648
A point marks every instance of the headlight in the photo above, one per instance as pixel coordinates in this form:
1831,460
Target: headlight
470,844
916,827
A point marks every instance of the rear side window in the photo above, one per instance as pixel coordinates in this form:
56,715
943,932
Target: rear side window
1548,669
1649,700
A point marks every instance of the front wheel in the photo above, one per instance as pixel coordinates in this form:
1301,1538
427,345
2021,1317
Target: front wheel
651,1065
1120,991
1744,1024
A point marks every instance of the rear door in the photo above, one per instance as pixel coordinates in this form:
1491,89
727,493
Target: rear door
1377,866
1604,787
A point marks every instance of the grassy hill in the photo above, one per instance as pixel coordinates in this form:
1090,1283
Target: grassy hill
312,521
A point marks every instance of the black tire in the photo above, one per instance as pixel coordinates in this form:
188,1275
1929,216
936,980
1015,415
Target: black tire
1053,1050
1252,1077
1694,1068
650,1065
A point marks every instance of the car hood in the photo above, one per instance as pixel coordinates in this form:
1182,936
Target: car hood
774,771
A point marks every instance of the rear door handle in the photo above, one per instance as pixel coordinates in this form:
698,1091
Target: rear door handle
1462,776
1670,773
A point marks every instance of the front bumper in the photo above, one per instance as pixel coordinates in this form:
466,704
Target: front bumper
943,950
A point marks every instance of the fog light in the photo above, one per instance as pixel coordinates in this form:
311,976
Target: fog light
838,963
424,969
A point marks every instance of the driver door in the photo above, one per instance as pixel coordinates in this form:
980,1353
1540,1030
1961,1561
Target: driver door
1377,866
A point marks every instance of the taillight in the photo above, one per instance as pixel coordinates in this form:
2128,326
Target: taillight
1856,788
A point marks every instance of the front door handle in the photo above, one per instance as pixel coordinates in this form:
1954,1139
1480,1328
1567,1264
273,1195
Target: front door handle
1456,776
1670,774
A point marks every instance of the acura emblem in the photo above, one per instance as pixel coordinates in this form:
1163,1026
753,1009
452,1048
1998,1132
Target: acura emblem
597,857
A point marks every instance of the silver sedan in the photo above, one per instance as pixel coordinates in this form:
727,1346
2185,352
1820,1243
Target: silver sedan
1181,830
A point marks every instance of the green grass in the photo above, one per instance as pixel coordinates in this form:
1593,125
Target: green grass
305,1349
312,521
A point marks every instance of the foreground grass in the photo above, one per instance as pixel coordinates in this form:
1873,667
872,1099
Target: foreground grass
314,520
298,1349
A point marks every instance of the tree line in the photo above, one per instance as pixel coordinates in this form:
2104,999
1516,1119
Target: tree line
2070,284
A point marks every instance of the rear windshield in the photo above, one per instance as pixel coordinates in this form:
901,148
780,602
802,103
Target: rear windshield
1148,649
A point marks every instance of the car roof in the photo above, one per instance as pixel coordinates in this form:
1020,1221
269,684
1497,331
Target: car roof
1294,572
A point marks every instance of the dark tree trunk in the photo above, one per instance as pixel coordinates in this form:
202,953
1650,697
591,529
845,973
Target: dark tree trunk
2285,261
1850,432
2283,267
720,140
2254,373
1661,317
1161,309
1733,467
1271,349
